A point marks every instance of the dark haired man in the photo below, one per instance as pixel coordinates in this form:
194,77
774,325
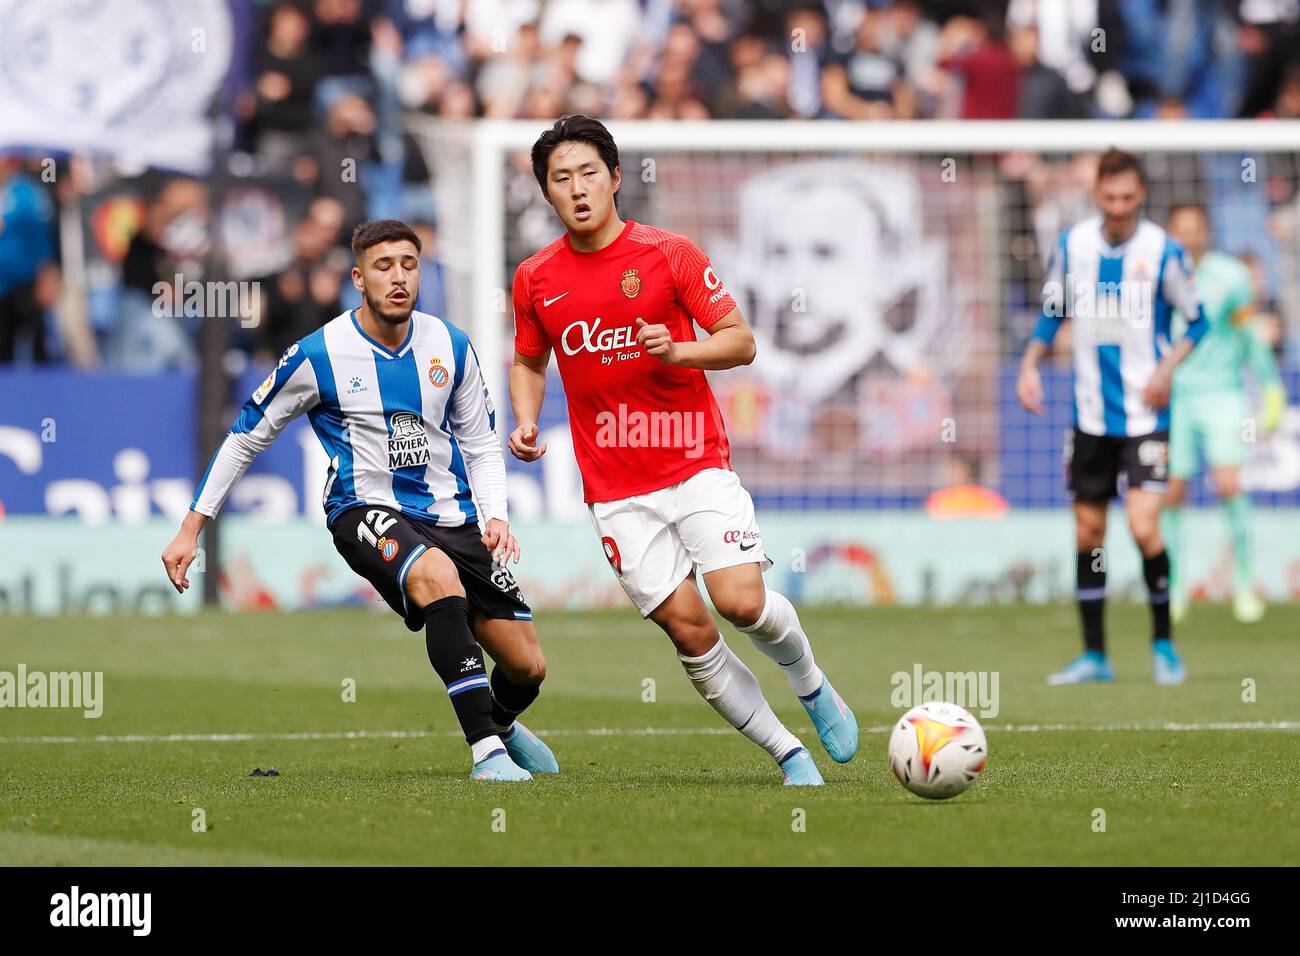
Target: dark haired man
397,399
1118,277
616,301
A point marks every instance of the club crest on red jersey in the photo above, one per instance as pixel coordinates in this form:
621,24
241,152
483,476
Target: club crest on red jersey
631,284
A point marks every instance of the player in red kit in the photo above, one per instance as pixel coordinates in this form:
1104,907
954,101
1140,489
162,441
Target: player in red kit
616,301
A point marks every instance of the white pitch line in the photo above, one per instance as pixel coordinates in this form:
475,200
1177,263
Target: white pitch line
613,732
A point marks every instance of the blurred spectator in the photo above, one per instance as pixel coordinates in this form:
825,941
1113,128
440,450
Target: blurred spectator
977,52
503,81
344,149
809,51
494,27
862,83
287,73
674,96
1269,35
761,84
1043,92
911,39
341,38
433,274
605,28
151,332
457,102
28,271
304,295
421,82
1287,105
430,28
630,102
703,38
1067,32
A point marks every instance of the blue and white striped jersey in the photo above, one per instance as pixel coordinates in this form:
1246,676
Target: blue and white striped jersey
411,429
1120,300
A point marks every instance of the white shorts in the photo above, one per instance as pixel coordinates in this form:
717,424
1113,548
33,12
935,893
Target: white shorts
655,541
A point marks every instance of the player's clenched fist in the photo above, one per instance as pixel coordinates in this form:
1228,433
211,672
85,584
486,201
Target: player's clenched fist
523,443
657,340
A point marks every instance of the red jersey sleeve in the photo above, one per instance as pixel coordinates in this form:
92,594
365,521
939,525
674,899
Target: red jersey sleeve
698,286
530,336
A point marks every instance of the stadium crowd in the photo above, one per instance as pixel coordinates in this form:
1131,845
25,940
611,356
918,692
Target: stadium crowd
330,80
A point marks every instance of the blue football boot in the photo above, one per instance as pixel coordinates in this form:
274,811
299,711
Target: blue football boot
498,766
1087,667
800,771
833,721
1169,667
528,751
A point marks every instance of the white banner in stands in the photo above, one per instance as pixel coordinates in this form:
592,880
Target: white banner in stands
128,78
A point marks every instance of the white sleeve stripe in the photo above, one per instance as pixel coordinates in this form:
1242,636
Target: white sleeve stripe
298,393
228,466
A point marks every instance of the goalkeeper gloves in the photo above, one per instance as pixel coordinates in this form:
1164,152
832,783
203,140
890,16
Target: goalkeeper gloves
1270,415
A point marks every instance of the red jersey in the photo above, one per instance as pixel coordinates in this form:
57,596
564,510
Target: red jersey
638,425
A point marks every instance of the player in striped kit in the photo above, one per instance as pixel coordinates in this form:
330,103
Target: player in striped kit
1118,277
397,399
1209,407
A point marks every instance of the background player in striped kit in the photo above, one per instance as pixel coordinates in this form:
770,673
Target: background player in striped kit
1210,408
1117,277
398,401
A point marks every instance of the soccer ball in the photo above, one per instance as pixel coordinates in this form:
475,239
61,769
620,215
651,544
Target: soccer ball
937,750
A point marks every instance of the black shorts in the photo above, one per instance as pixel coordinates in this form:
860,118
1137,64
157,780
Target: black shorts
381,545
1101,467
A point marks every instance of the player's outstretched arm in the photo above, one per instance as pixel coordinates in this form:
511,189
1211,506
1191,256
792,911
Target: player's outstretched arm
527,390
178,555
730,344
288,391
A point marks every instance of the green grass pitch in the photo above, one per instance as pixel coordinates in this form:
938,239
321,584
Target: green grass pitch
1221,786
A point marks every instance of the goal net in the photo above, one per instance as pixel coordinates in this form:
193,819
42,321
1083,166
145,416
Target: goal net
892,275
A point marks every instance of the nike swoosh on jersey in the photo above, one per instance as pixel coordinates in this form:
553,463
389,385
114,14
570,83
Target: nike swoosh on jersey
546,302
751,545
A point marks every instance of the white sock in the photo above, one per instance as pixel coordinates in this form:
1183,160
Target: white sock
485,746
778,634
732,690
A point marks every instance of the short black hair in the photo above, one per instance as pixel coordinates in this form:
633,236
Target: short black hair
1115,161
574,128
369,234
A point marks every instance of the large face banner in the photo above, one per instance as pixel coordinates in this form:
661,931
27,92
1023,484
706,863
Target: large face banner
860,281
839,280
